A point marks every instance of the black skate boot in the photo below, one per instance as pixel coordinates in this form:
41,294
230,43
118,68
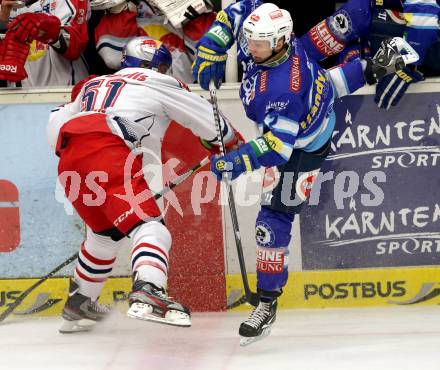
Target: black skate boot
148,302
80,313
259,323
388,59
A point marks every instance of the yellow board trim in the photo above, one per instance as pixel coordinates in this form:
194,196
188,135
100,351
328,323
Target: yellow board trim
307,289
351,288
54,291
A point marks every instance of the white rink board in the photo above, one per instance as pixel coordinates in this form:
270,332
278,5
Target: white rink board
229,102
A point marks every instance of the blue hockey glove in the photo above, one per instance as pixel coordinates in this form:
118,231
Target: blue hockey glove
235,163
210,64
391,88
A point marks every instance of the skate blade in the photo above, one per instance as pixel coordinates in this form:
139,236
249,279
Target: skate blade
245,341
76,326
142,311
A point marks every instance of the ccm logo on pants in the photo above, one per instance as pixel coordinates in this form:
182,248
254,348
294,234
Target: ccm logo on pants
9,217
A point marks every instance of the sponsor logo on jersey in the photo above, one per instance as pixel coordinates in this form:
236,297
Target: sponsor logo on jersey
324,40
295,75
263,81
248,88
341,24
275,143
276,106
270,260
321,90
275,14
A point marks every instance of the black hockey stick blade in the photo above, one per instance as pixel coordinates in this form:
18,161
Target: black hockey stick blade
253,299
29,290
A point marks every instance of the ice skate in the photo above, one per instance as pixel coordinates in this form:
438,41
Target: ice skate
80,313
259,323
147,302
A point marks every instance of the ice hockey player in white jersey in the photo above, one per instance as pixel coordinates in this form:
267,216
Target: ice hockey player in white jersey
94,137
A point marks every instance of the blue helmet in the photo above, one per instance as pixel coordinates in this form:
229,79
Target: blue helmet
146,52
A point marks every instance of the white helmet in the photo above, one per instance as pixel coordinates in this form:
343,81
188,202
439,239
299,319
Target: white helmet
105,4
145,52
268,22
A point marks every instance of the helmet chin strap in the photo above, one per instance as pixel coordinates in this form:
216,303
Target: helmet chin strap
277,58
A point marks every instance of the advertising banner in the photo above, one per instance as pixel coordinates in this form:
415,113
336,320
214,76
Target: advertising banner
351,288
376,201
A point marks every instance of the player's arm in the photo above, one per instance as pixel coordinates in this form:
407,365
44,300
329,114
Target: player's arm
422,27
211,51
65,32
63,113
349,23
195,113
271,149
421,31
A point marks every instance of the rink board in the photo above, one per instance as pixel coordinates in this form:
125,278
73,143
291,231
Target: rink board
352,288
343,289
354,256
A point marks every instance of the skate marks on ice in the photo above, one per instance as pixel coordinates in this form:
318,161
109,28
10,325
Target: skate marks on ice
343,339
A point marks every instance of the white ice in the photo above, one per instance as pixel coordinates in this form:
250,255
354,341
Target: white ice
341,339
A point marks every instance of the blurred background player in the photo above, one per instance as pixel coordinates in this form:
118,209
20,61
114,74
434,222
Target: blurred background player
290,98
110,117
179,25
416,21
54,35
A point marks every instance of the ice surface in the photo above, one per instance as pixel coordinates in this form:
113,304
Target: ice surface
340,339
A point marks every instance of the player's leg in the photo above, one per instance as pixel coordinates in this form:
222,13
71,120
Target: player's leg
95,262
80,156
133,210
273,234
151,243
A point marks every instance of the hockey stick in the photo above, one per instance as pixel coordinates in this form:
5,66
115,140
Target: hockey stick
29,290
249,296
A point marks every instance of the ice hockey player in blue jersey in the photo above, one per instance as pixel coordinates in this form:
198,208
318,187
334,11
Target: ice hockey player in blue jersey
416,21
290,97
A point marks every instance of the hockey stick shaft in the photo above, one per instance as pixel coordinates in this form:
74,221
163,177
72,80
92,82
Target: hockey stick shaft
251,297
29,290
72,258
